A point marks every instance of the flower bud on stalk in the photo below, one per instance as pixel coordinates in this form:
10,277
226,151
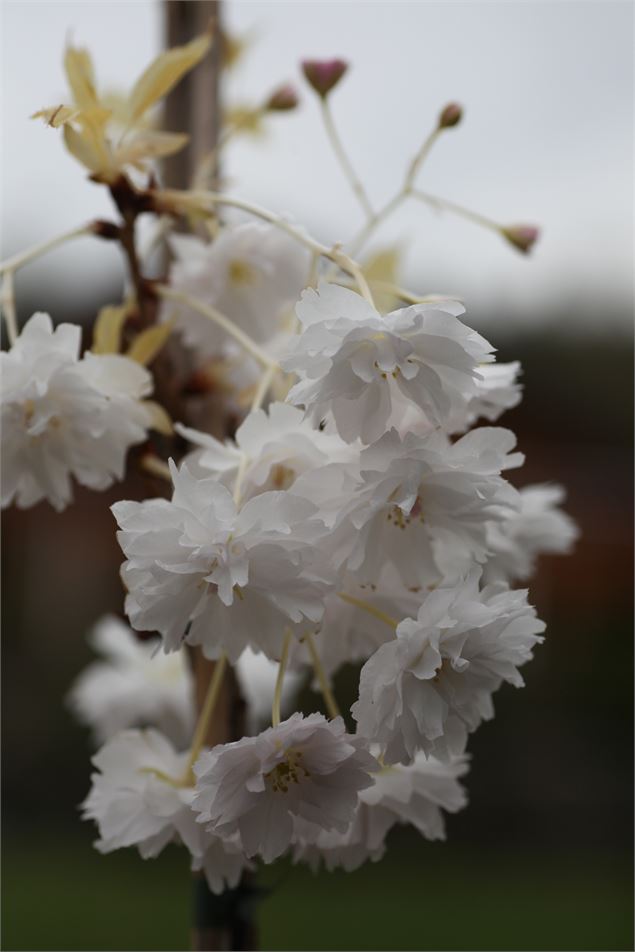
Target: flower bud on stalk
324,75
282,99
522,237
450,116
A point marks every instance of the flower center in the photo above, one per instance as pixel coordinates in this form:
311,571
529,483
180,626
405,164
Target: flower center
282,476
290,770
240,272
398,518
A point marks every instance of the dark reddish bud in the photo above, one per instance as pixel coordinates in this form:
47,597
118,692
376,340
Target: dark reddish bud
282,99
522,237
106,229
323,75
450,116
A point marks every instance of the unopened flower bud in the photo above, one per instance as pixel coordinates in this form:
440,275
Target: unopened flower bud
282,99
106,229
450,116
522,237
323,75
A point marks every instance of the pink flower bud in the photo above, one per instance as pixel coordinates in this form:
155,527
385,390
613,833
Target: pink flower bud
450,116
323,75
282,99
522,237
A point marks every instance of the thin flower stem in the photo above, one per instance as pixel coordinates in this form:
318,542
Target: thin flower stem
8,308
325,687
404,294
156,467
277,694
17,261
213,691
386,210
365,233
367,607
343,159
443,203
208,311
347,264
420,158
263,386
261,392
200,198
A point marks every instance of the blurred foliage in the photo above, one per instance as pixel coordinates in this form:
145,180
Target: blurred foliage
59,894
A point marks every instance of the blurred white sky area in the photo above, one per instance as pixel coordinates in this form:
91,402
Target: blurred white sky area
547,137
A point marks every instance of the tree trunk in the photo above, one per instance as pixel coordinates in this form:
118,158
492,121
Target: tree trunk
224,922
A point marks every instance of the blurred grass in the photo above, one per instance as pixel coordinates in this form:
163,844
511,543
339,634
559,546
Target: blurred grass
58,893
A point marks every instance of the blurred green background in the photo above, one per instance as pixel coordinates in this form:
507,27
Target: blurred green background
541,858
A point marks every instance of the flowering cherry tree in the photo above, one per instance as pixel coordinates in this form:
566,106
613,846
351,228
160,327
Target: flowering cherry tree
352,504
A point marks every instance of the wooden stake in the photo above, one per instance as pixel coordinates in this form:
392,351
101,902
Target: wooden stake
224,922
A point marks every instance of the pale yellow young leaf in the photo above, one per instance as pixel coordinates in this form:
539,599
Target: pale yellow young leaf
244,120
81,145
94,129
164,73
56,116
382,267
147,345
160,418
150,145
117,102
234,47
108,327
81,79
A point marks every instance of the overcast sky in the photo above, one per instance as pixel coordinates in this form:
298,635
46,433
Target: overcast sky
547,137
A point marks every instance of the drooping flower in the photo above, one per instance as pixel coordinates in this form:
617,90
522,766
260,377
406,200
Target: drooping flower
427,502
252,272
415,793
236,577
136,800
278,446
351,360
63,417
133,685
433,683
419,503
305,767
539,526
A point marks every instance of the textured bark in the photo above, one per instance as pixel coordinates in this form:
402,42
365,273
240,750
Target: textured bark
193,107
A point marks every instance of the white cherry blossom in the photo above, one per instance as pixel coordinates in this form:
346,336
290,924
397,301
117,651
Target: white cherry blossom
133,685
278,445
305,767
252,272
134,803
539,526
64,417
351,360
419,503
236,577
415,793
433,683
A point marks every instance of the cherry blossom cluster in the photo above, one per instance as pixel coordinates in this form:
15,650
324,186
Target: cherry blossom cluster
360,512
362,519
